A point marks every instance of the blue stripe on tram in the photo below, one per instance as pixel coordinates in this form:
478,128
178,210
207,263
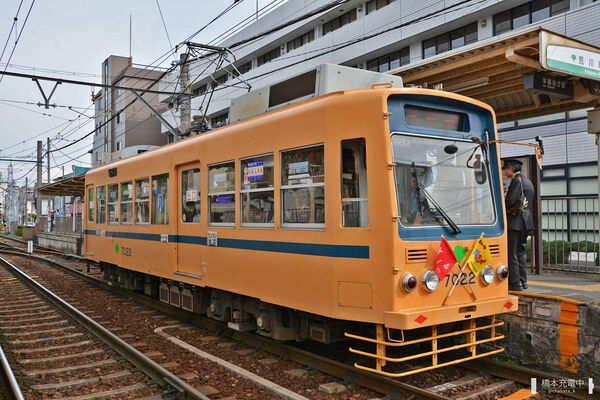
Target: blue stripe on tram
313,249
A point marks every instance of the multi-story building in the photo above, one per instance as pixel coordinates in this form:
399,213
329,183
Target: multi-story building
134,129
428,29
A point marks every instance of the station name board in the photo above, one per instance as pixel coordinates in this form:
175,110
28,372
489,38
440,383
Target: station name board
542,83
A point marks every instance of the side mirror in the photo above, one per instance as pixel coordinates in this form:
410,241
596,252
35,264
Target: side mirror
480,175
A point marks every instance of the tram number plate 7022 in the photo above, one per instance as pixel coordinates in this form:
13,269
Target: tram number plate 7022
463,280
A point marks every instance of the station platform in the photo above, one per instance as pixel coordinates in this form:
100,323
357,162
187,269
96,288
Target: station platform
557,325
583,288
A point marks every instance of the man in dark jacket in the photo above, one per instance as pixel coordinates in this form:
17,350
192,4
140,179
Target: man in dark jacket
519,199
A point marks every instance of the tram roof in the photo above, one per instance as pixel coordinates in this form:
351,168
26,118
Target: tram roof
492,71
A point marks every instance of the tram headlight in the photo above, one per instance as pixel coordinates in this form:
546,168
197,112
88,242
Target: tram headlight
430,280
502,272
487,274
409,282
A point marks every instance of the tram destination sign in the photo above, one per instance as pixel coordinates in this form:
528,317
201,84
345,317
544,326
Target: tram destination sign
542,83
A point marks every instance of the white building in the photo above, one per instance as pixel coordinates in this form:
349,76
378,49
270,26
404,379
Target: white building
401,33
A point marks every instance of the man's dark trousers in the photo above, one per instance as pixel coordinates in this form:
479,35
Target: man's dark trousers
517,257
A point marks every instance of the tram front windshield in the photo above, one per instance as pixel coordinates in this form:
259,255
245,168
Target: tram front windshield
449,172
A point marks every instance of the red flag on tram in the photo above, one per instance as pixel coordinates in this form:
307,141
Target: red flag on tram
445,259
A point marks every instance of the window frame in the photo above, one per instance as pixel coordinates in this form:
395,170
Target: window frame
113,203
193,168
359,200
131,201
136,201
243,224
91,204
98,205
210,194
448,38
336,23
282,188
165,197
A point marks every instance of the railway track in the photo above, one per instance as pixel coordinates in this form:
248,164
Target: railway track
489,379
57,351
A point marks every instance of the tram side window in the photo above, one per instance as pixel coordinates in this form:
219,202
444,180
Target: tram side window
221,194
190,195
142,201
101,207
256,191
160,199
113,204
354,184
126,203
90,204
303,187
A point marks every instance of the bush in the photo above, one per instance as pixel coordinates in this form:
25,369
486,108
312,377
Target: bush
19,230
558,251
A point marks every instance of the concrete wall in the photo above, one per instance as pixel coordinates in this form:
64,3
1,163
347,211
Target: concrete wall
554,336
66,243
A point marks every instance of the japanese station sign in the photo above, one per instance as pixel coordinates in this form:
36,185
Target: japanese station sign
542,83
562,54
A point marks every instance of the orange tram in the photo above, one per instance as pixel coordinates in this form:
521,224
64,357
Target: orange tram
320,220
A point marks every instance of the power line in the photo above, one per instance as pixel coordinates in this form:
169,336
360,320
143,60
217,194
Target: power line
33,111
33,137
18,37
15,19
76,82
39,104
50,70
164,26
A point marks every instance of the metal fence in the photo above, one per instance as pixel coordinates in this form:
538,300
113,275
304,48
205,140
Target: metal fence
570,233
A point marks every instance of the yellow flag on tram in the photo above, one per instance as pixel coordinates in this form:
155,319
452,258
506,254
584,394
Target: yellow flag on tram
480,256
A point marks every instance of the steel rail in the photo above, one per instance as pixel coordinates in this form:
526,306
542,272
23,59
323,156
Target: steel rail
41,248
377,383
521,374
152,369
8,382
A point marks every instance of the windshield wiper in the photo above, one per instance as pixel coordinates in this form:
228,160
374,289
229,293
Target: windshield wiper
455,229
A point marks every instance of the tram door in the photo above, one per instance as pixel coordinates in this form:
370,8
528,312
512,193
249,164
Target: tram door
189,247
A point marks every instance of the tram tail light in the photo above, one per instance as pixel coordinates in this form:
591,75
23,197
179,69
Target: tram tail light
409,282
502,272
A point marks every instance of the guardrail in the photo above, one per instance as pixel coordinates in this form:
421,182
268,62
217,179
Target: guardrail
570,234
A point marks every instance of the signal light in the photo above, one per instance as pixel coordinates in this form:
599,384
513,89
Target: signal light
430,280
487,274
409,282
502,272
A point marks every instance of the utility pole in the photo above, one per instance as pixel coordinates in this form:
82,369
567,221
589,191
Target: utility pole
38,203
25,201
48,154
185,103
62,200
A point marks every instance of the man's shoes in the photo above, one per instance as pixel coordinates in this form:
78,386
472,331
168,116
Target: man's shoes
524,284
515,287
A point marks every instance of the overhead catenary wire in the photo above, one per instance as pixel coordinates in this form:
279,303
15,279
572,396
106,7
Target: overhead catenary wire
165,26
18,37
14,24
149,69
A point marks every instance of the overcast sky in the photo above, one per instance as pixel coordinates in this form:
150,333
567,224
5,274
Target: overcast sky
77,36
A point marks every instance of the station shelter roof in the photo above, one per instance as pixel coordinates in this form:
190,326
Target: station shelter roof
73,186
498,71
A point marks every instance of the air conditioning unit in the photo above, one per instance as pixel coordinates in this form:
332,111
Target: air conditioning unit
324,79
